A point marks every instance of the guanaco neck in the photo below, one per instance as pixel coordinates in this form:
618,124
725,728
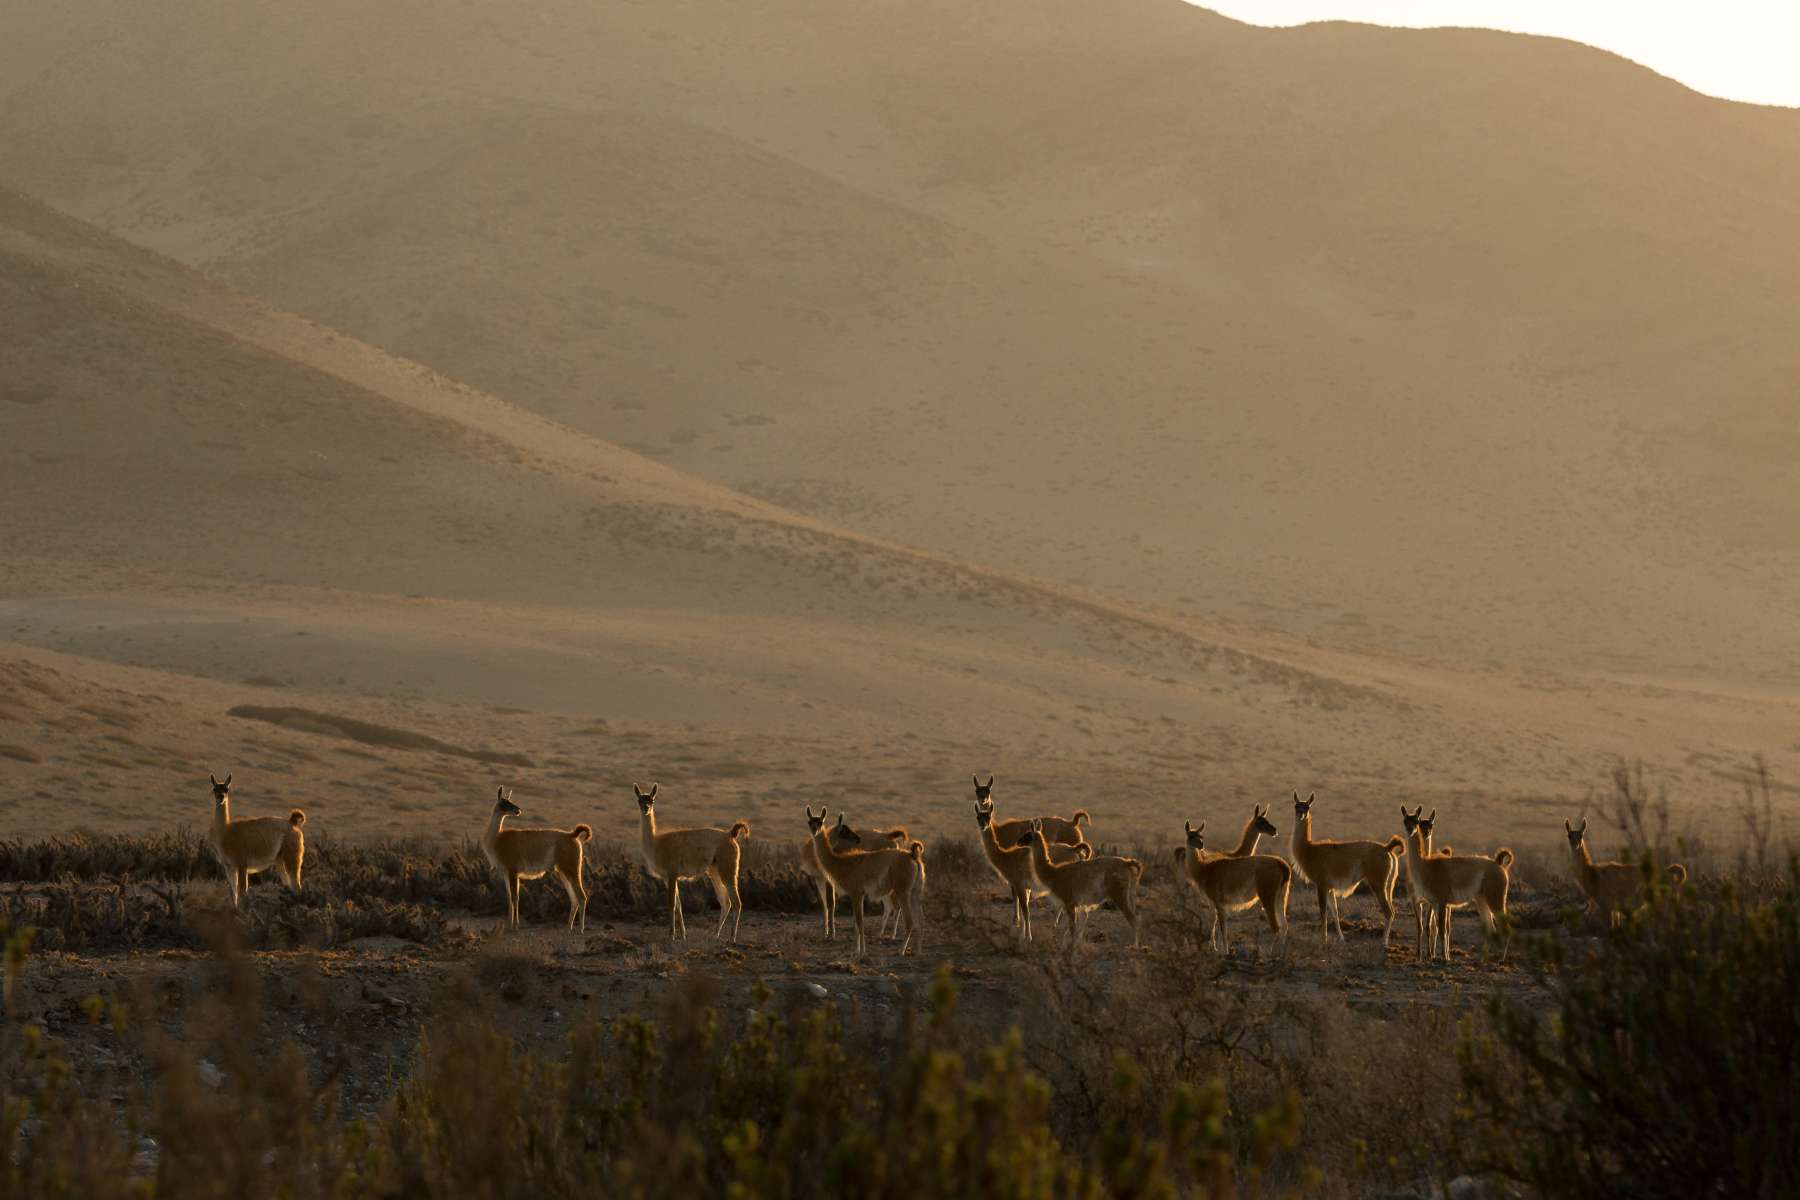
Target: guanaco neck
1584,862
1040,857
221,820
492,836
1247,844
990,842
648,824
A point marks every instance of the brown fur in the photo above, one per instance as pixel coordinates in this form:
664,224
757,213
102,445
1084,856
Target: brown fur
1336,869
846,838
251,844
1446,881
1063,830
519,854
1083,886
1232,882
896,875
1612,887
677,854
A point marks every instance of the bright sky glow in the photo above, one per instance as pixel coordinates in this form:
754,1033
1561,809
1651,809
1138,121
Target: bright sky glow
1737,49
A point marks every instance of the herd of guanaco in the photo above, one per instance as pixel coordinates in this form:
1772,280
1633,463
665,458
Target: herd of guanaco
1034,856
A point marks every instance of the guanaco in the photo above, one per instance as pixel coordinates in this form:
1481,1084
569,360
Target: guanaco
1063,830
1336,869
844,837
1080,887
532,853
1256,829
1424,917
894,875
251,844
1449,880
679,854
1012,862
1235,881
1611,886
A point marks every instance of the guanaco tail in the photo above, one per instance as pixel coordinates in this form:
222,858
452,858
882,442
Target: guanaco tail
678,854
247,845
531,854
1336,869
1237,880
894,875
1613,887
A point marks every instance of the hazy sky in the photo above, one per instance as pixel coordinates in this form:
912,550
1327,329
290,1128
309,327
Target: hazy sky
1739,49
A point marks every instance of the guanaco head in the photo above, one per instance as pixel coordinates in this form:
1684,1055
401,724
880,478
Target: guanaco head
1410,819
221,791
644,799
1033,832
1259,821
843,835
1303,807
503,803
983,791
1575,832
1195,840
814,824
1425,824
984,813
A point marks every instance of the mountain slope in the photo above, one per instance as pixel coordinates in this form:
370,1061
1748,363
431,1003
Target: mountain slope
213,504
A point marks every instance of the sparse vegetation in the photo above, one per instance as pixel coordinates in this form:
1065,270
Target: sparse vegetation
1666,1063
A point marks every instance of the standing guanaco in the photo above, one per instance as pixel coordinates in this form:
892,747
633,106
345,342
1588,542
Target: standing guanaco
894,875
1235,881
1613,887
247,845
1336,869
532,853
678,854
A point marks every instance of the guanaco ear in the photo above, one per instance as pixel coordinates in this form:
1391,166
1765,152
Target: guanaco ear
1261,810
1583,828
976,780
228,784
1567,828
214,778
1188,825
1433,817
990,783
637,791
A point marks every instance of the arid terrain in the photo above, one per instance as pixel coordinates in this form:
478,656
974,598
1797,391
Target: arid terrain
803,404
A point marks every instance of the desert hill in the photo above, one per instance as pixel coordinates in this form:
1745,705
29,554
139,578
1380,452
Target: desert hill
214,505
1460,344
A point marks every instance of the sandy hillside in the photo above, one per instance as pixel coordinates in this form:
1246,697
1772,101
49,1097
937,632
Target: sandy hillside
212,504
1463,345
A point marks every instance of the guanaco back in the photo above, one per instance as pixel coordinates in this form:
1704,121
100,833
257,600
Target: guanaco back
1236,881
1612,886
1336,869
893,875
250,844
1082,886
531,854
677,854
1057,830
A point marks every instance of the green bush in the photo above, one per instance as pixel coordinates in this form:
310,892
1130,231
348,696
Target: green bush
1667,1064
